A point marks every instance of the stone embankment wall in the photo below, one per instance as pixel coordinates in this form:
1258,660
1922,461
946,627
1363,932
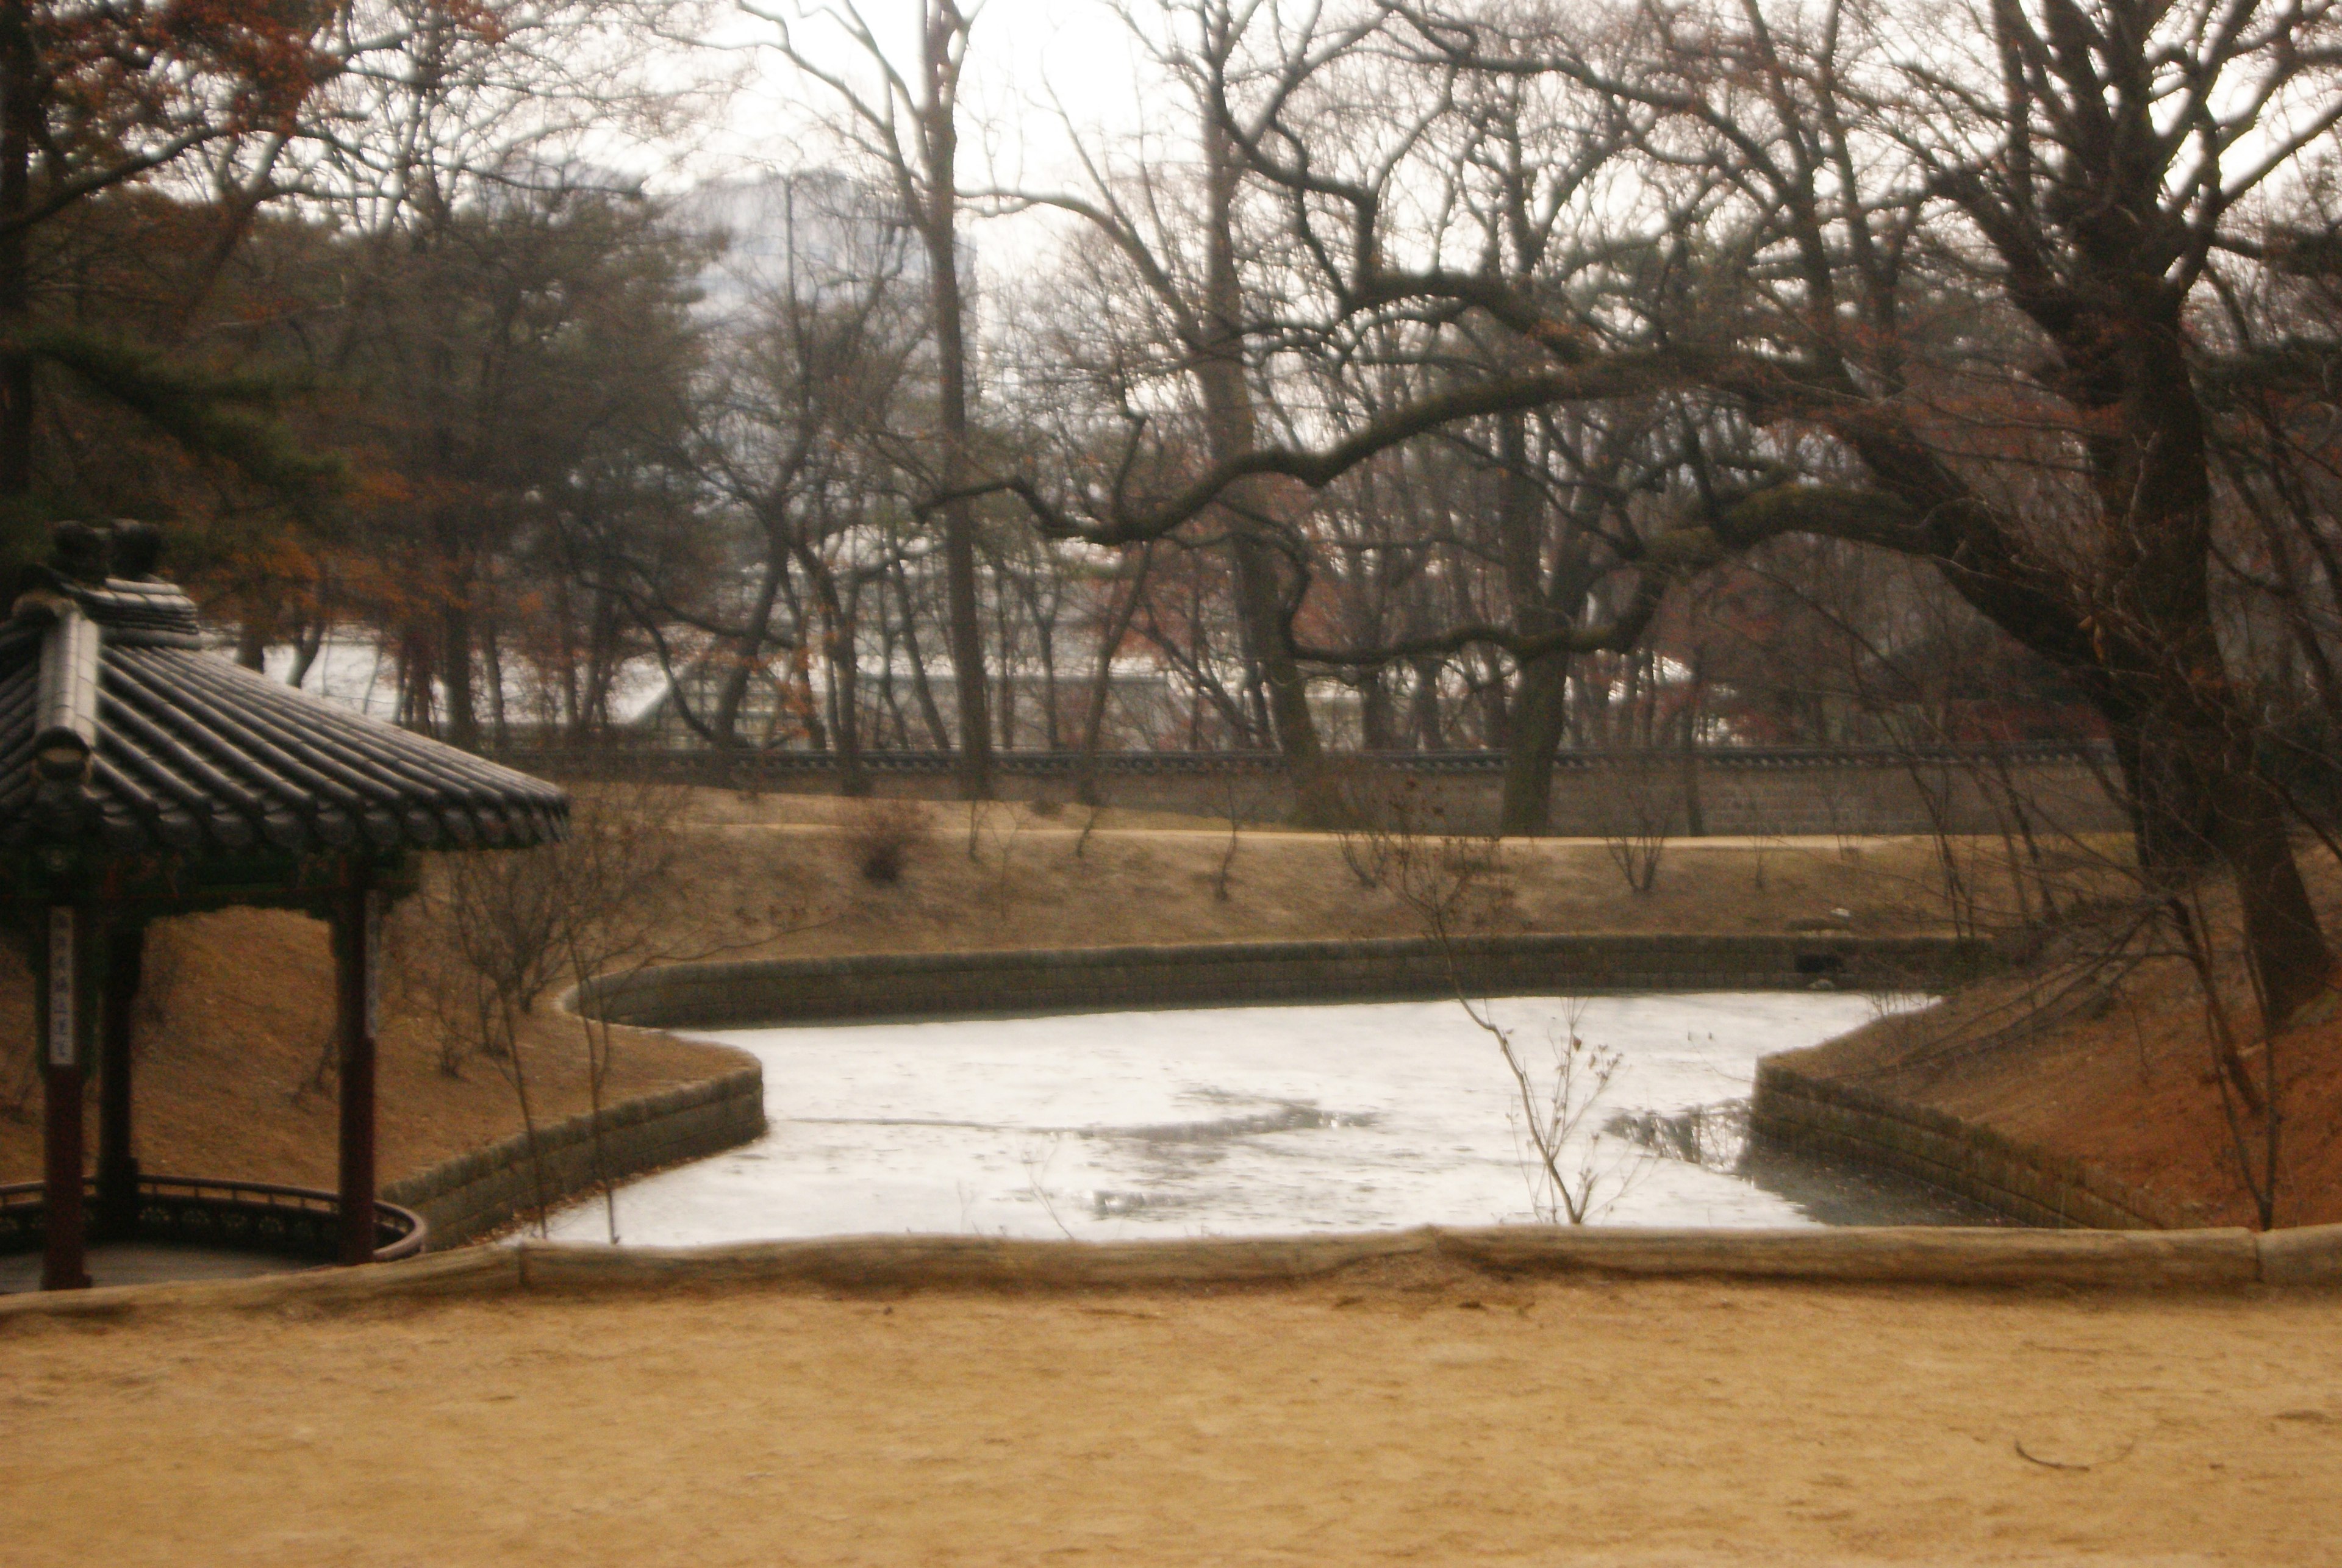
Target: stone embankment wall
1738,789
888,1266
1847,1121
483,1192
475,1193
941,985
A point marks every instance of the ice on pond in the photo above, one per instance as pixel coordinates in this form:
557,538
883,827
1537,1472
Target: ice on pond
1227,1121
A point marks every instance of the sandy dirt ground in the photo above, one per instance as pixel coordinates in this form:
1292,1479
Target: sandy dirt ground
1409,1417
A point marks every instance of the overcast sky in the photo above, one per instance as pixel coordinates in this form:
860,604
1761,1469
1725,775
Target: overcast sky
1028,57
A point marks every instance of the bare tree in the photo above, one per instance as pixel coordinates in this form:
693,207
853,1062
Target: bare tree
907,122
1956,301
492,936
1200,302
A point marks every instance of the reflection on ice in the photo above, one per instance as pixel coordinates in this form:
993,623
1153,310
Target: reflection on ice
1714,1136
1234,1120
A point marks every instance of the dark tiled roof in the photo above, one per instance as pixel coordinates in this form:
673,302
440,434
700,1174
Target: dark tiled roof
117,729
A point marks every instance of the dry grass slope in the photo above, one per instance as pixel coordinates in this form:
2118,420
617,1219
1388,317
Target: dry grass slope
233,1032
2126,1082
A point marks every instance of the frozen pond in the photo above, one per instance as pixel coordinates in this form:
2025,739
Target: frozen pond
1248,1121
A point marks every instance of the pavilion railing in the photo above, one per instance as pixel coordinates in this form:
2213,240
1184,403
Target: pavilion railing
203,1211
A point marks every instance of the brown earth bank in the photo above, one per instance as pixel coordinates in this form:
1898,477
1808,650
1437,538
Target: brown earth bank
233,1073
1398,1413
1009,876
232,1066
2124,1074
232,1026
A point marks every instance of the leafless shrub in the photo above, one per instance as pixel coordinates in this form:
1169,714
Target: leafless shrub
1240,798
2247,1076
1450,882
1638,817
25,1077
1554,1098
2082,919
162,970
1037,1187
160,967
1397,841
1228,857
325,1057
881,836
1934,780
996,827
492,934
1847,822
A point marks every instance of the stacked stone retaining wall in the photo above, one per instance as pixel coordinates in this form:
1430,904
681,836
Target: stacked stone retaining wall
475,1193
942,984
490,1187
1845,1121
482,1191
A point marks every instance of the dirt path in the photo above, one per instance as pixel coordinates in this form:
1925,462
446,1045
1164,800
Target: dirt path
1414,1418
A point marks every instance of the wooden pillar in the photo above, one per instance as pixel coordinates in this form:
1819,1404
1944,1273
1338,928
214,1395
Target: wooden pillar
117,1165
357,944
63,1261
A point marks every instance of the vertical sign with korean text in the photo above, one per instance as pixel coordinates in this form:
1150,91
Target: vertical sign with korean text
62,1046
372,948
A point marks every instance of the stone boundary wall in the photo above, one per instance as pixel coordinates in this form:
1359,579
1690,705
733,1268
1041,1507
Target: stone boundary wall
2183,1261
1740,790
2033,1185
473,1194
1207,975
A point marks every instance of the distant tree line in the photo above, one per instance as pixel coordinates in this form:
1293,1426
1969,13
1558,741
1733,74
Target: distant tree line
1423,377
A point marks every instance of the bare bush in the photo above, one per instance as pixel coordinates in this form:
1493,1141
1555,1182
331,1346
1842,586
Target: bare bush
997,826
1397,841
881,836
1639,816
492,934
1452,883
1240,799
1554,1098
2251,1090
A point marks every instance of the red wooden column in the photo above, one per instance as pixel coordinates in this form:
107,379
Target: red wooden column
357,946
63,1262
118,1166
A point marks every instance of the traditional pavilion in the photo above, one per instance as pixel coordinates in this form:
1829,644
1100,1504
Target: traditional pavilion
142,776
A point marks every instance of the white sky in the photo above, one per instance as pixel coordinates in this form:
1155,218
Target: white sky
1026,60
